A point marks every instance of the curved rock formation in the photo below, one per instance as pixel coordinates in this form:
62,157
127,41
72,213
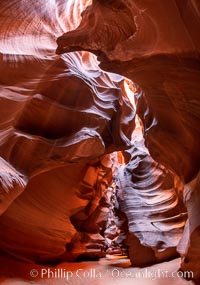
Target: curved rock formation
60,113
62,116
117,224
159,55
13,184
150,197
71,128
157,46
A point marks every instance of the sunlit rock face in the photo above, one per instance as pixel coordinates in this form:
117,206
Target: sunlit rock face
156,44
85,115
159,53
13,184
63,118
117,223
60,117
61,215
151,197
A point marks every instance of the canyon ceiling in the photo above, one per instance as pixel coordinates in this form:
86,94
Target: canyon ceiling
99,130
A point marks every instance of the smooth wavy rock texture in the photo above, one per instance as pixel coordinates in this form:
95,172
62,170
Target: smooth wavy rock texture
64,116
151,197
156,44
59,114
61,215
161,54
12,184
66,129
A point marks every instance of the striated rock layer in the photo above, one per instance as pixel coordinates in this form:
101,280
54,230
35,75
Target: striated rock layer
150,196
60,116
157,46
59,216
51,141
160,54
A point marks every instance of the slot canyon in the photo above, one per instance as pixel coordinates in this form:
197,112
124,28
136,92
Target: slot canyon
99,139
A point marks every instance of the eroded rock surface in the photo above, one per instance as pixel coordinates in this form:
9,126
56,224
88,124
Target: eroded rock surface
62,115
157,46
160,54
150,196
59,115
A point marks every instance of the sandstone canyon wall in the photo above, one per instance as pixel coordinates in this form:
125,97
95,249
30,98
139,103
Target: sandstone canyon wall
60,117
155,44
64,117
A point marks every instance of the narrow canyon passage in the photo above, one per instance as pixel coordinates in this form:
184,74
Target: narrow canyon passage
99,141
